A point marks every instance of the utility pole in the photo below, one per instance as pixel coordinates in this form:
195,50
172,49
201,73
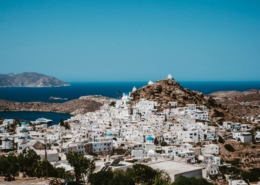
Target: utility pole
46,160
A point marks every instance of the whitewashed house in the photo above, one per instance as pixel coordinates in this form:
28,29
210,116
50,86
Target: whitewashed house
244,137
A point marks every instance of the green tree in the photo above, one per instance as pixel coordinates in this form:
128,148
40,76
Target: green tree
162,178
13,166
121,180
142,174
4,165
41,172
159,181
67,125
221,140
29,162
61,173
156,142
252,175
80,164
113,104
100,178
61,122
190,181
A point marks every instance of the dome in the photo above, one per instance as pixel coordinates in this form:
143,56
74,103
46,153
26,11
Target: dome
23,123
109,135
134,89
24,129
149,138
169,76
150,82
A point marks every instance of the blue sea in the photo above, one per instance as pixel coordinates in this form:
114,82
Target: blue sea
110,89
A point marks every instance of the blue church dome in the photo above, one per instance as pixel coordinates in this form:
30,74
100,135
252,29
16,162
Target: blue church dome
24,128
109,135
23,123
149,138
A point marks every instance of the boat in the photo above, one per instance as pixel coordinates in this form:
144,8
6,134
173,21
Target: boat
42,121
57,98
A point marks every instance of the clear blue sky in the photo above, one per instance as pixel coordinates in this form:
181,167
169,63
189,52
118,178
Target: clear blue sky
131,40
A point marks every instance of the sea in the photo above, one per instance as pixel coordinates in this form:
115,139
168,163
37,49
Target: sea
109,89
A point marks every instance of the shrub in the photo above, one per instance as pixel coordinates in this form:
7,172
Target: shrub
190,181
229,147
221,140
113,104
235,162
163,143
251,176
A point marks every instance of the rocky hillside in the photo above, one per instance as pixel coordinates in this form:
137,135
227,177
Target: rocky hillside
30,80
168,90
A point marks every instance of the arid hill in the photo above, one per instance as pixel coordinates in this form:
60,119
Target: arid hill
245,103
168,90
30,80
246,96
77,106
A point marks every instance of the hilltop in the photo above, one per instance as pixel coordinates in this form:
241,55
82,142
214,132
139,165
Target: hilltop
30,79
168,90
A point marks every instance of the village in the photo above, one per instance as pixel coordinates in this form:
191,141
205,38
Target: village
181,140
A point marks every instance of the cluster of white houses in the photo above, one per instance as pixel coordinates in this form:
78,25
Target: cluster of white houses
140,129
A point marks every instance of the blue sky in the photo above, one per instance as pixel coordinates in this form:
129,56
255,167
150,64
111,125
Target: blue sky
211,40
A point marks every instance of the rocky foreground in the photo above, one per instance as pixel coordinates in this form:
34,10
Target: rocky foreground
77,106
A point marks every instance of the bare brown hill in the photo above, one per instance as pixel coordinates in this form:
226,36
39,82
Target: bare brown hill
246,96
71,107
168,90
245,103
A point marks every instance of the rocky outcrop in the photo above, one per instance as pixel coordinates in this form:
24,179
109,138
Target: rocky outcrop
77,106
30,80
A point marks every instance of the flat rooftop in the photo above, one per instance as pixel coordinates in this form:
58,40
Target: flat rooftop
173,168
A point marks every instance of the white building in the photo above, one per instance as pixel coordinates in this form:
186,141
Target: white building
210,149
7,143
244,137
212,169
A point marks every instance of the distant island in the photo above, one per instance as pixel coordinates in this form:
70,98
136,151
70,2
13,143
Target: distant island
30,79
